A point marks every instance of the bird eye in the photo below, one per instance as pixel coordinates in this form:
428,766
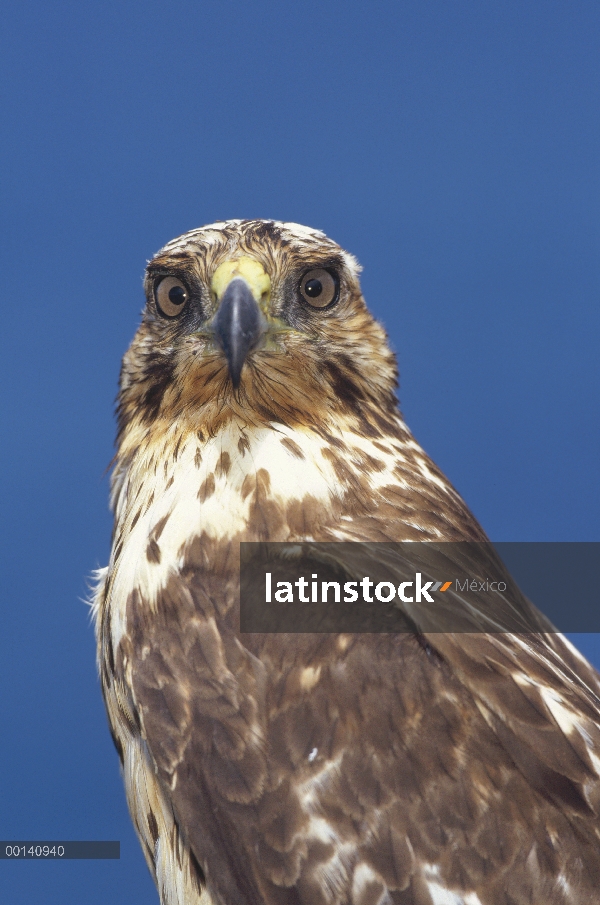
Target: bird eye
319,288
171,296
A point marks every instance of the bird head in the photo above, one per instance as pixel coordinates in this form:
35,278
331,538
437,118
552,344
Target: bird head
258,321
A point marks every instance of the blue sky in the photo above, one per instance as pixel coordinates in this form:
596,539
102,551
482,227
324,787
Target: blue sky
453,147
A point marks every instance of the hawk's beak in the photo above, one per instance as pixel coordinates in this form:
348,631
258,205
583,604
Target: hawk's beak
237,326
239,323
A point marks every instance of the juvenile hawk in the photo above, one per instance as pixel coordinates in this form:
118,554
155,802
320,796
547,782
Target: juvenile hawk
257,402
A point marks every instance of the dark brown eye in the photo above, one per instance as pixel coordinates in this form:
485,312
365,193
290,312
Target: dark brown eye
319,288
171,296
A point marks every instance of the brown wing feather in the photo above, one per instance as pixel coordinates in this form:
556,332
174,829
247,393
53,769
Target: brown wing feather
331,769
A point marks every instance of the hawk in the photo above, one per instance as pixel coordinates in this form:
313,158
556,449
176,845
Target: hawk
258,402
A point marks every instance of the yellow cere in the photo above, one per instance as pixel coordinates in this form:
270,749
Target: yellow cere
246,268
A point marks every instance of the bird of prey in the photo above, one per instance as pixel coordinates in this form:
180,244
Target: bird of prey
258,403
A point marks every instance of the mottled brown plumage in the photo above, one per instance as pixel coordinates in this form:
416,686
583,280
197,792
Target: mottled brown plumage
331,769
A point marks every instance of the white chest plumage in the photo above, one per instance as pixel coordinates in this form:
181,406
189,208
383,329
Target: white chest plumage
183,488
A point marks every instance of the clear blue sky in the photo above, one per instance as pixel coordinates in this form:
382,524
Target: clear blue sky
452,146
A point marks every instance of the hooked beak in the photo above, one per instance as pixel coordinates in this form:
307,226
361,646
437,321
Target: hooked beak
241,287
238,326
